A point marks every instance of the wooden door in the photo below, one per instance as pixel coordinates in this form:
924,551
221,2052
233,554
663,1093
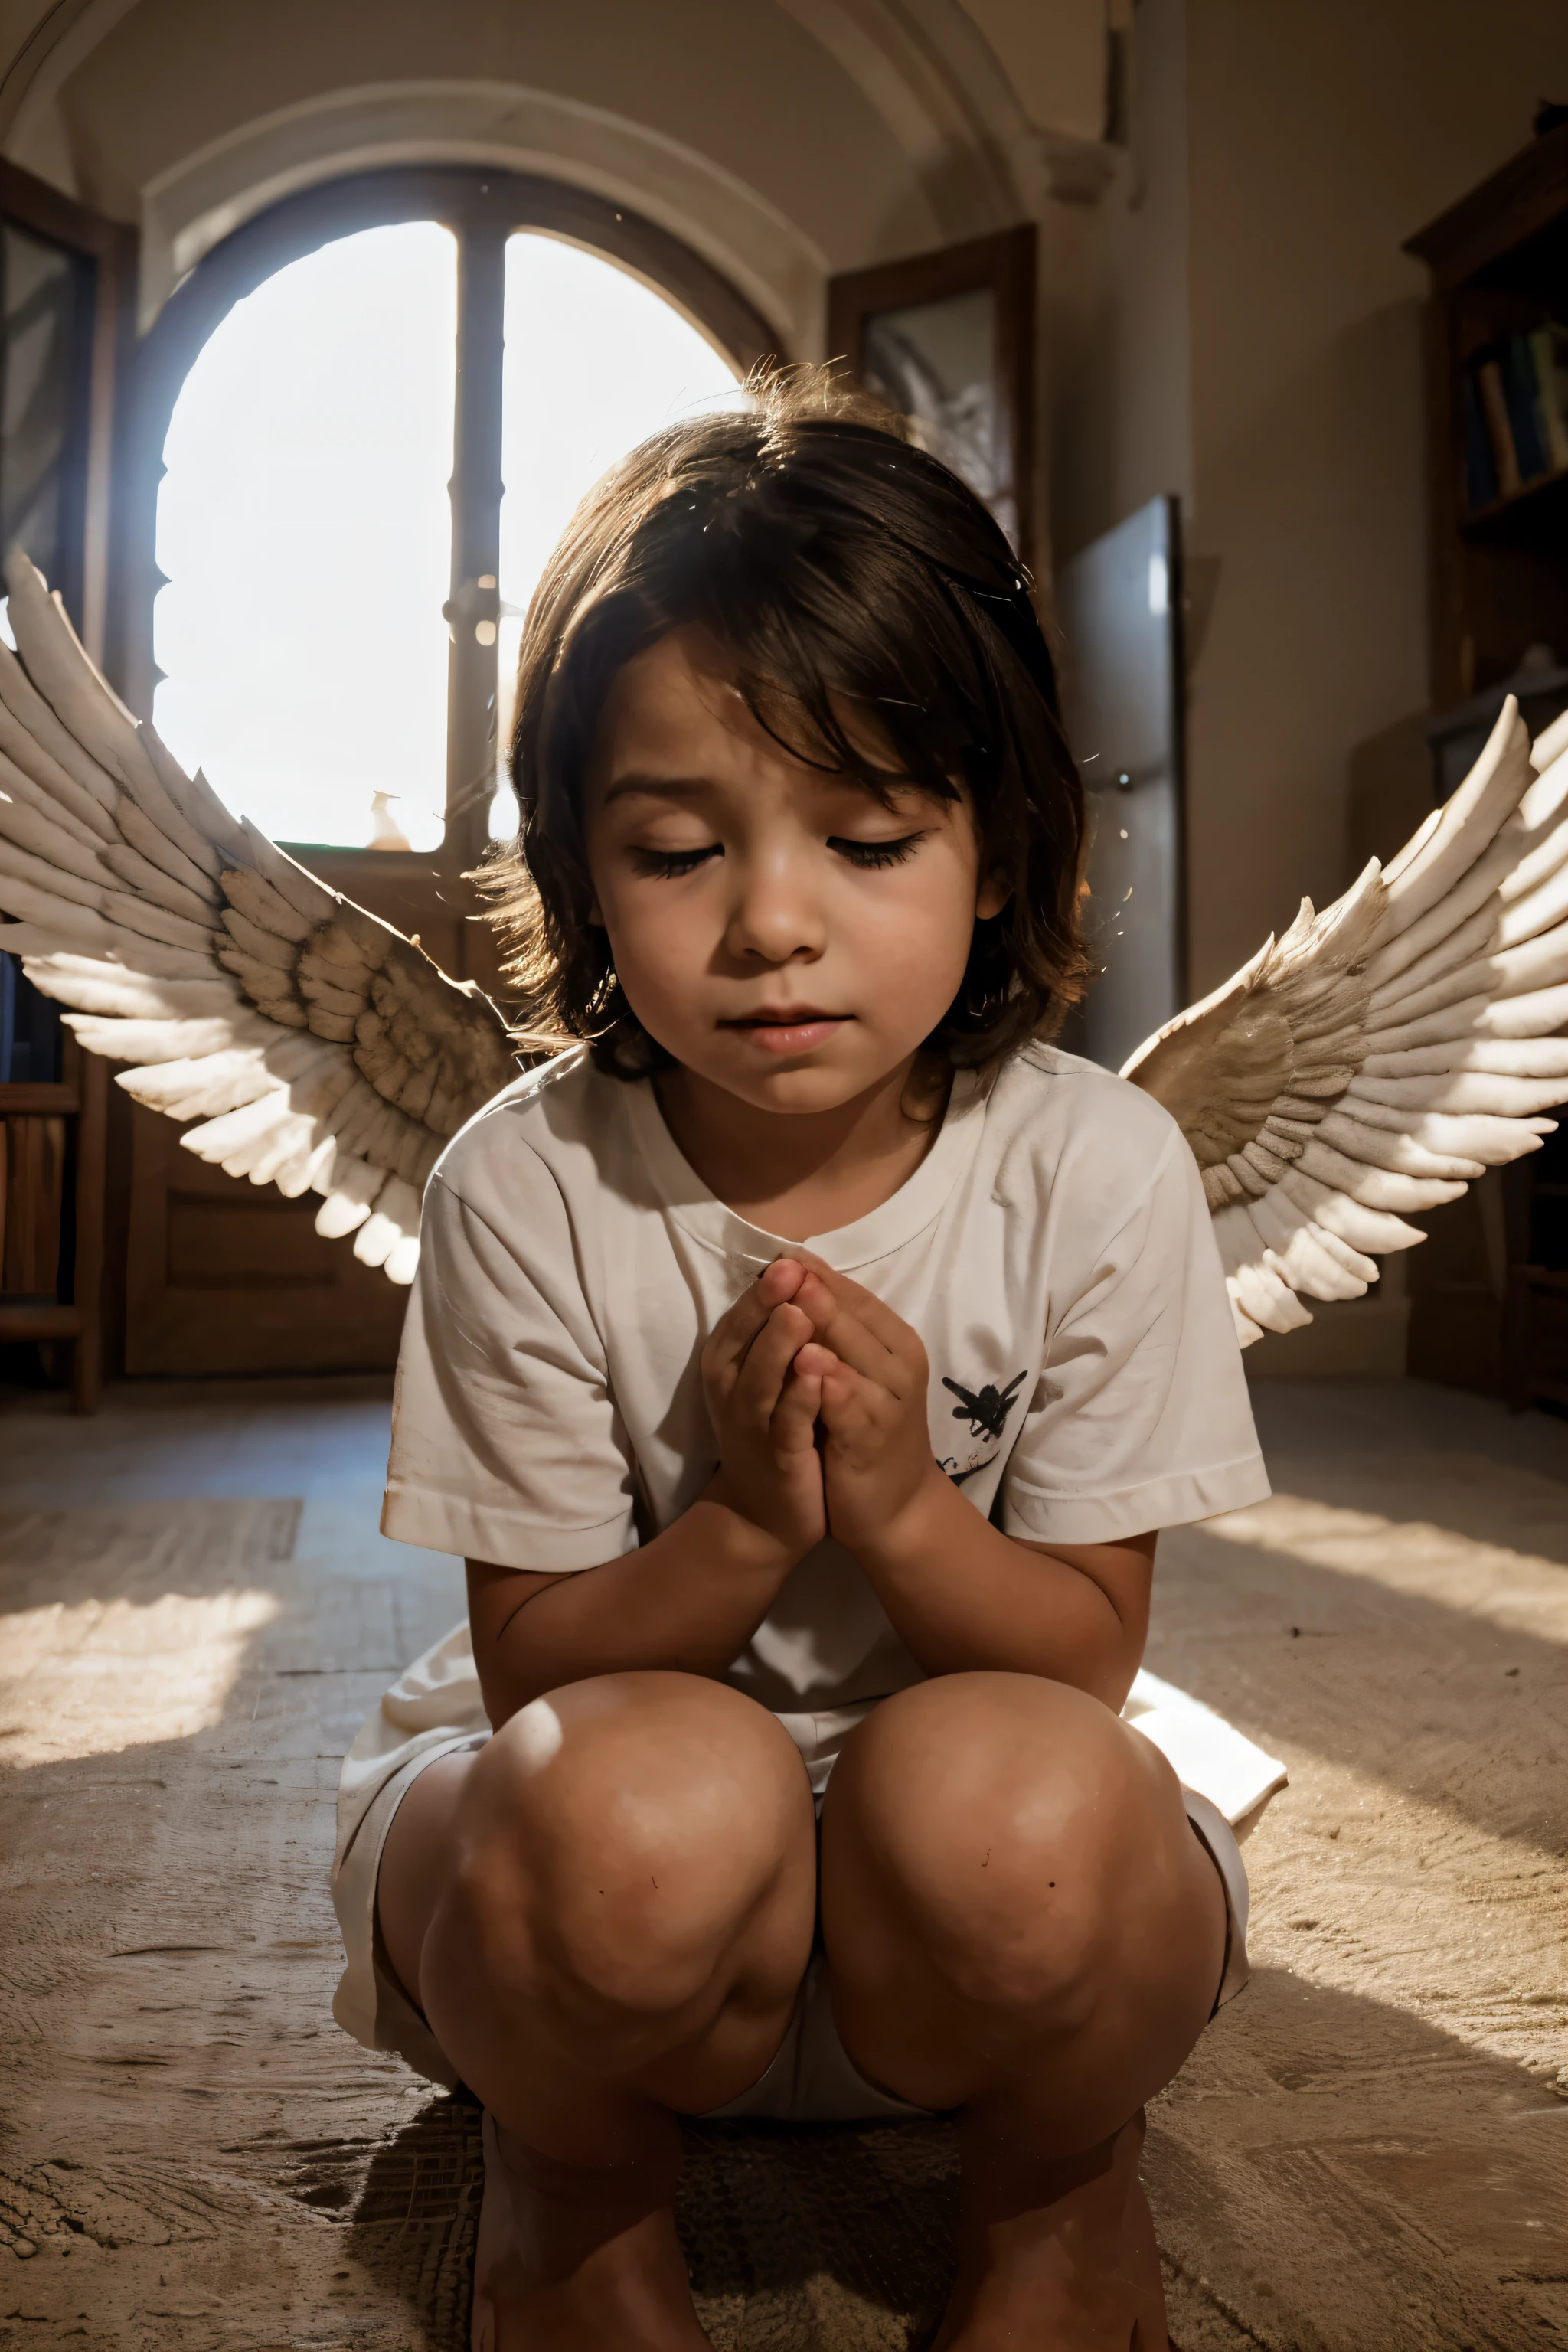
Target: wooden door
227,1276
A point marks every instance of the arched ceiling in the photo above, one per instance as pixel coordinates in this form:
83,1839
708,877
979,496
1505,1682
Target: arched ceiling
783,139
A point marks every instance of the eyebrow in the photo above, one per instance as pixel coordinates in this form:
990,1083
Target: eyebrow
655,787
637,782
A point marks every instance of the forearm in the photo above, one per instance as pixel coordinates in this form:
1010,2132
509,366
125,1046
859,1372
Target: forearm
961,1595
687,1601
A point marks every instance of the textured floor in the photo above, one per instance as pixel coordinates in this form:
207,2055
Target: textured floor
1370,2149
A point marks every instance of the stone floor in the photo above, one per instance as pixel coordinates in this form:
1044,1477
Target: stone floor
1370,2149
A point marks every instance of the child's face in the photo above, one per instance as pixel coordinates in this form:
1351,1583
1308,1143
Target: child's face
775,928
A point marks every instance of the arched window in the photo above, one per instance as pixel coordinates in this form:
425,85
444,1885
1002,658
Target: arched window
383,401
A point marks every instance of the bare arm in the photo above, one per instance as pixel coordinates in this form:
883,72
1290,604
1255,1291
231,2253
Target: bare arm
961,1594
691,1599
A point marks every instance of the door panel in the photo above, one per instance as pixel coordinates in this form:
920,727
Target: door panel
1119,605
229,1277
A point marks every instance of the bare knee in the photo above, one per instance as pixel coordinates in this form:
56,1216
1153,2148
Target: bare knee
1003,1835
617,1834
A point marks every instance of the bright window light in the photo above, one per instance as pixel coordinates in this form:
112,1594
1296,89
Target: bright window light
305,528
594,362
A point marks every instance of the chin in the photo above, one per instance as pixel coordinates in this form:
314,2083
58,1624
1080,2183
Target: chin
802,1087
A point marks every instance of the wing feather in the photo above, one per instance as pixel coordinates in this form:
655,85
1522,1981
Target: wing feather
1467,824
60,789
35,853
311,1044
1379,1057
38,721
1403,1153
145,837
18,786
152,881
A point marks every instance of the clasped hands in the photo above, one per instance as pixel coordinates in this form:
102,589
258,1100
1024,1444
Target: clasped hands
818,1394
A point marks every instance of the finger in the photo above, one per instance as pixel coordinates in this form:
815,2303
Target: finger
763,1374
735,1330
793,1424
846,1331
875,1313
845,1405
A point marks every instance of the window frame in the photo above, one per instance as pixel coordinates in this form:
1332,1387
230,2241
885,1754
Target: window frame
481,209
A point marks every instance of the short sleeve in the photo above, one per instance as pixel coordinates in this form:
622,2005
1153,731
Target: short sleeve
506,1443
1140,1419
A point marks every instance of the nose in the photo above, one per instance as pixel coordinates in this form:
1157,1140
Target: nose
775,916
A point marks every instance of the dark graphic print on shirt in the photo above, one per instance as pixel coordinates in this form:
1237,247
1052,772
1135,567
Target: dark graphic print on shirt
985,1410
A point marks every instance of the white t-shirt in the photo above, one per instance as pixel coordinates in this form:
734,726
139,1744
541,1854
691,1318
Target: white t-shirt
1053,1250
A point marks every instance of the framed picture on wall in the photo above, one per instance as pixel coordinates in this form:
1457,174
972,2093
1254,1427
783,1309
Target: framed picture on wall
948,339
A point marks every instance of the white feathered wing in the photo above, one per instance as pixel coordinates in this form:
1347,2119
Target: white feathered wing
320,1049
1383,1054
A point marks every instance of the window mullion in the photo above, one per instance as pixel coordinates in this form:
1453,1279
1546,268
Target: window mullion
476,492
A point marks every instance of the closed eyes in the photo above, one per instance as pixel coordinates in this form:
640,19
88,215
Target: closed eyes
669,864
866,854
664,864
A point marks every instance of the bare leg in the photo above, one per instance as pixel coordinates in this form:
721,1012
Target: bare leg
1021,1924
605,1916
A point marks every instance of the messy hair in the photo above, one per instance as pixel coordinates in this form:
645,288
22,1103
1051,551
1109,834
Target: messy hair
834,565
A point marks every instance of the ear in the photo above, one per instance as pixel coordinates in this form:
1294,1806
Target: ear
992,896
595,918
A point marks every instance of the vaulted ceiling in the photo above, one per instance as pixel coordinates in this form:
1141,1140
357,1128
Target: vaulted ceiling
784,139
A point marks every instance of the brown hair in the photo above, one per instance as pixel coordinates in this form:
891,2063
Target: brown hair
829,560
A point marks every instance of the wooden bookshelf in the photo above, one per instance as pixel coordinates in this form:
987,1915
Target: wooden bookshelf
1499,261
1489,1292
1535,516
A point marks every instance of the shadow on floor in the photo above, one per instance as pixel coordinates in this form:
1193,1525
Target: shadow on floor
1337,2175
414,2215
794,2235
1347,2177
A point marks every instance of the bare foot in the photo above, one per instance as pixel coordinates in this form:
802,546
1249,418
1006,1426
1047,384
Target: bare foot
578,2261
1061,2255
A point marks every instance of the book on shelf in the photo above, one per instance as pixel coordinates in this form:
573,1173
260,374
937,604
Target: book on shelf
1494,408
1515,415
1480,465
1516,364
1548,350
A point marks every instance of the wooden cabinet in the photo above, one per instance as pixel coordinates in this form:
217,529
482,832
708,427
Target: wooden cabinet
53,1142
1489,1291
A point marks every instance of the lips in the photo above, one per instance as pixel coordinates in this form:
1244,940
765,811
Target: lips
788,1028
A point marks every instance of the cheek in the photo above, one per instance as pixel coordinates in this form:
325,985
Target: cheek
913,942
656,953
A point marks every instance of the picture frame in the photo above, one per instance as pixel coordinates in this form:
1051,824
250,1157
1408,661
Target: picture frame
947,339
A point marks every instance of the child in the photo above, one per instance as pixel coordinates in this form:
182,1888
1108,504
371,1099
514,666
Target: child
804,1362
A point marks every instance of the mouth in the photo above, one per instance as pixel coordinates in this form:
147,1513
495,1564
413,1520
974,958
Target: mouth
788,1029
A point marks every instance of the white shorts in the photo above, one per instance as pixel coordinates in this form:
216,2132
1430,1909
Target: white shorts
811,2079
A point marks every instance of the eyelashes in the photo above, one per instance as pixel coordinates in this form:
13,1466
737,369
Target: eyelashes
868,856
666,865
